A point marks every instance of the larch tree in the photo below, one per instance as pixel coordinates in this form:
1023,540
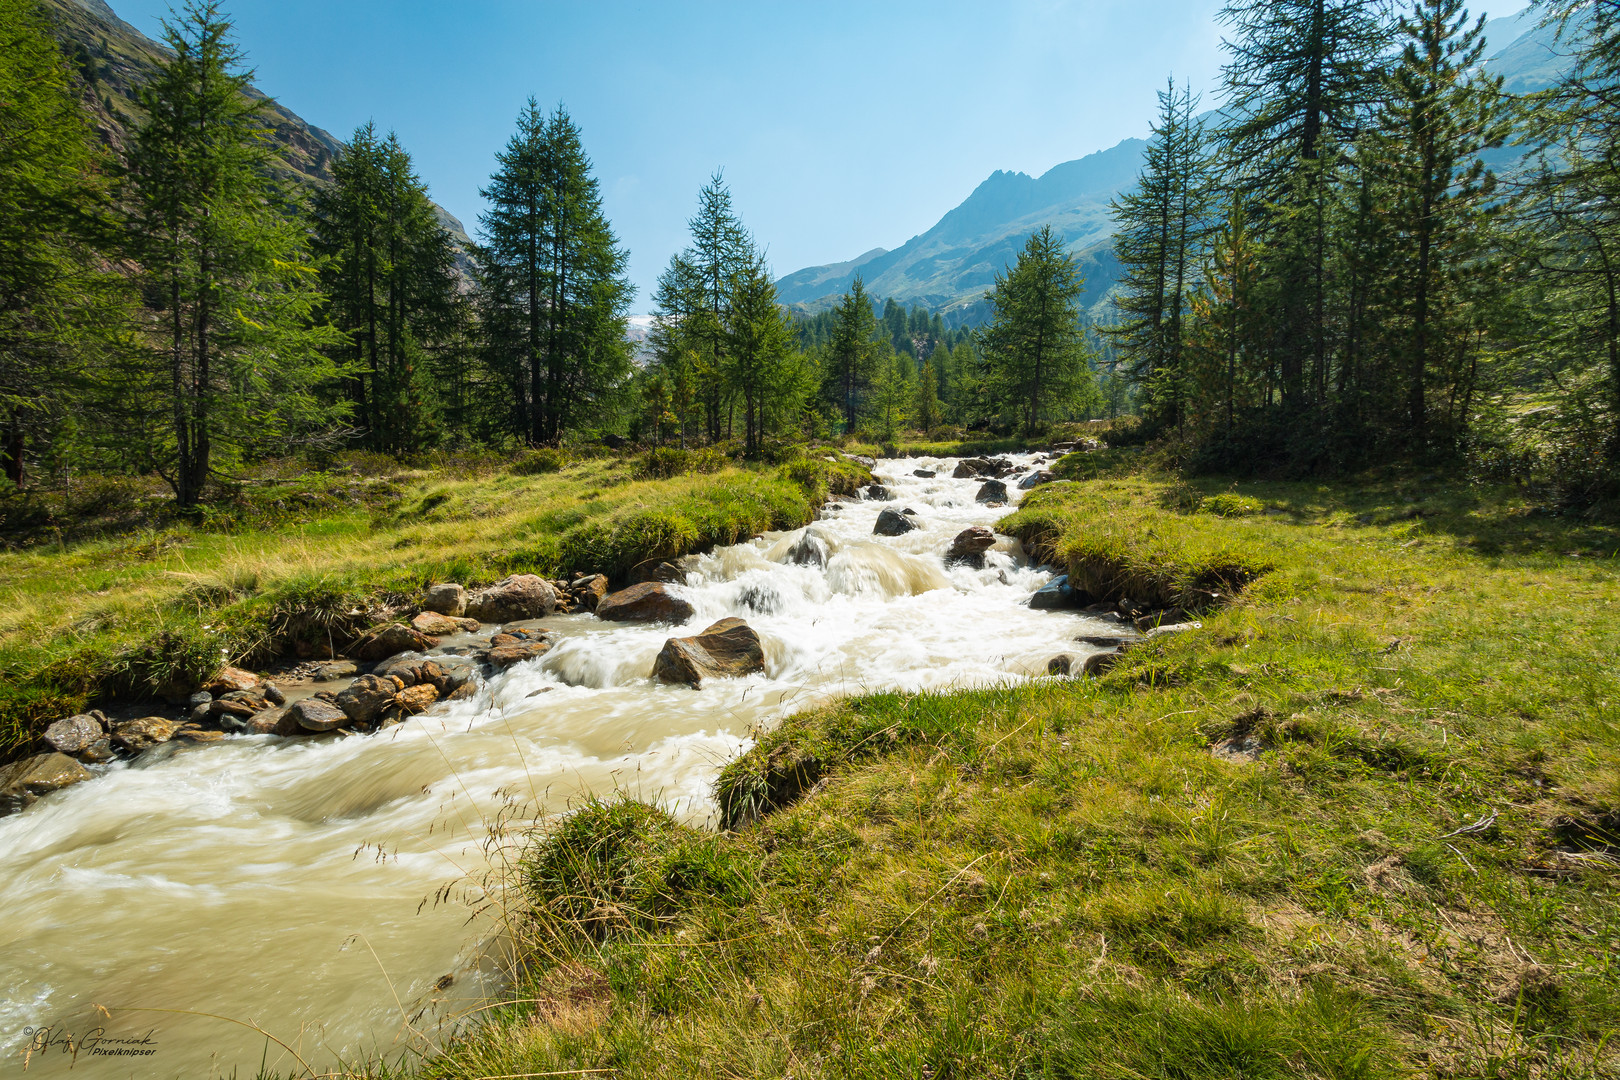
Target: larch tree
851,355
227,266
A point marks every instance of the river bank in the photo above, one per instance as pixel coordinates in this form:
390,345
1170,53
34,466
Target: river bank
1364,823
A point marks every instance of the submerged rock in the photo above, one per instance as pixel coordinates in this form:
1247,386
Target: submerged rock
808,550
879,493
727,648
521,596
893,522
926,474
446,599
649,601
22,783
1057,594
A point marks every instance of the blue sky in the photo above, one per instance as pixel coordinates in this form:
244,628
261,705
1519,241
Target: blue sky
840,126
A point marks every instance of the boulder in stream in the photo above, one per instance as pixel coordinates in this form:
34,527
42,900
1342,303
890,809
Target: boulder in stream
893,522
229,679
414,699
521,596
727,648
588,591
1057,594
446,599
992,491
879,493
313,714
518,649
926,474
649,601
363,700
1036,479
968,468
969,546
24,782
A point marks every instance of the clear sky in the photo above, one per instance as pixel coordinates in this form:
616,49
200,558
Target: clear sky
840,126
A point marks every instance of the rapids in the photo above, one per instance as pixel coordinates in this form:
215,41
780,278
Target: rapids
322,889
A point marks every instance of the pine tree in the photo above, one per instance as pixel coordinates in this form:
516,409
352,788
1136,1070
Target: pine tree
388,269
851,357
548,239
1034,347
758,343
1161,228
59,306
928,413
227,265
894,388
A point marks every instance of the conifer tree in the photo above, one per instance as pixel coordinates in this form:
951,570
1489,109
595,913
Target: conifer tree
388,271
227,265
1162,225
758,343
894,388
851,358
59,306
927,411
548,240
1034,347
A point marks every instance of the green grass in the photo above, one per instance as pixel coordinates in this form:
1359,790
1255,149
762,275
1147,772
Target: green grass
289,565
1061,880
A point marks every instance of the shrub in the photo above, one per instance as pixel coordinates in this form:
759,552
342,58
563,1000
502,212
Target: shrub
1229,504
538,462
666,462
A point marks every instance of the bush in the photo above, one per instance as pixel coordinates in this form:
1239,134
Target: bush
537,462
666,462
1229,504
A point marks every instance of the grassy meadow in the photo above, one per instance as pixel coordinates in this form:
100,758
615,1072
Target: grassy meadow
1413,871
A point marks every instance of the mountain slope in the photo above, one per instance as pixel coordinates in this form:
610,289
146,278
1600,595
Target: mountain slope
949,267
114,59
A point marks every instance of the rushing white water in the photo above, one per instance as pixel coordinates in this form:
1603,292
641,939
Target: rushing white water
296,885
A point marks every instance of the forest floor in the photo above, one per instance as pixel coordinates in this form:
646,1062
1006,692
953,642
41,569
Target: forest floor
1404,858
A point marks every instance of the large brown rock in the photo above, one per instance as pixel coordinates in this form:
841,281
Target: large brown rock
970,545
521,596
515,652
365,699
391,640
728,648
74,735
650,601
229,679
446,599
133,736
24,782
414,699
275,720
588,591
971,467
436,625
313,714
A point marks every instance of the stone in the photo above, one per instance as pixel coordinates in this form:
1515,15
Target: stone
381,667
22,783
275,720
465,690
1097,663
433,624
521,596
1104,641
197,735
1036,479
231,678
454,673
201,697
588,591
133,736
971,467
74,735
1056,594
273,694
447,598
893,523
365,699
991,491
729,647
313,714
970,545
1060,664
99,752
504,656
879,493
808,550
333,670
396,638
415,699
649,601
926,474
240,707
435,672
